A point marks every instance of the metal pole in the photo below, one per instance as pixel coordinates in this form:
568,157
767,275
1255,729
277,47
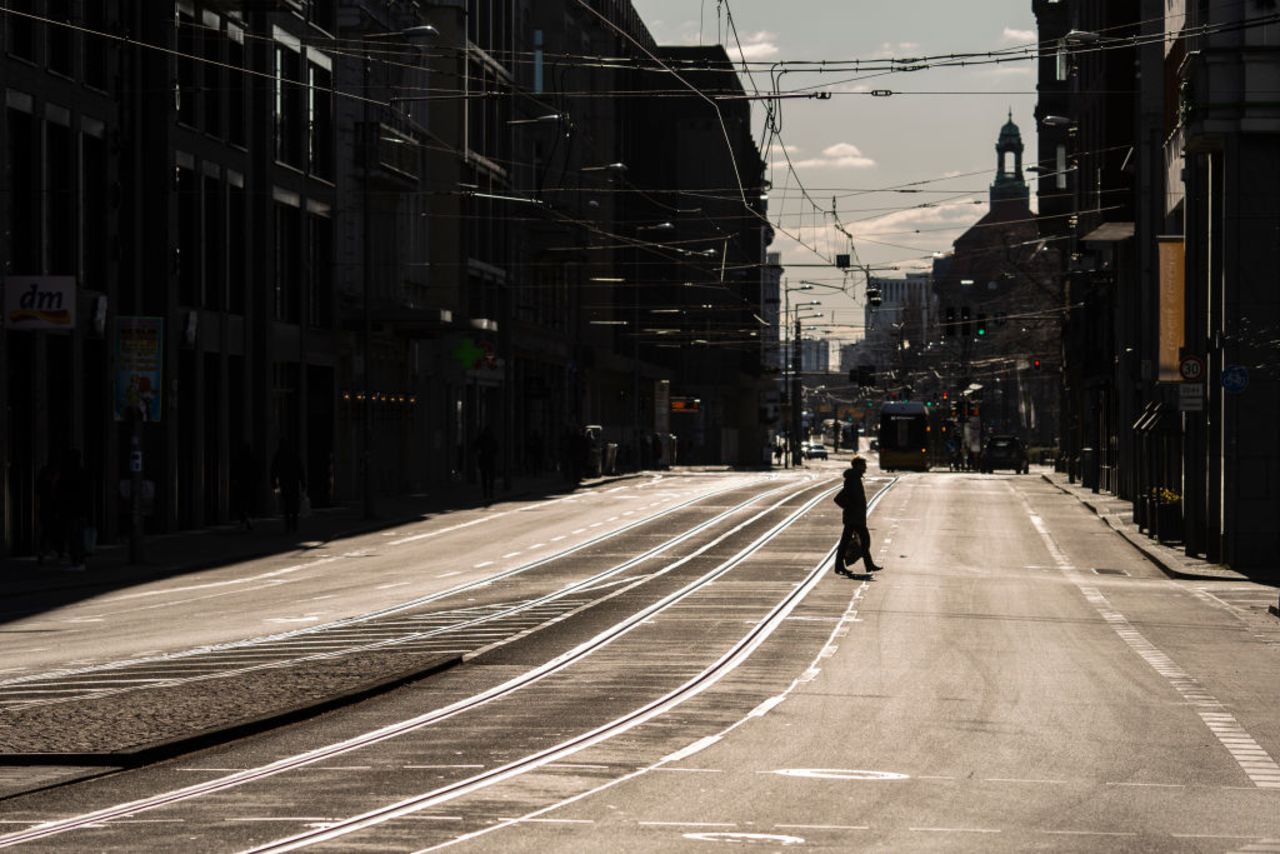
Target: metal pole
796,419
366,325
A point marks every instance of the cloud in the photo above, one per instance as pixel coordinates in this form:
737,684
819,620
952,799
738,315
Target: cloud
761,45
842,155
937,225
896,50
1019,36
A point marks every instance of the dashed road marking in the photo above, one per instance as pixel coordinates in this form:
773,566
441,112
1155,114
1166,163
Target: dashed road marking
1255,762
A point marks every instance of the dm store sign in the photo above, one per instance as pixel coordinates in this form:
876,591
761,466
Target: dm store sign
40,303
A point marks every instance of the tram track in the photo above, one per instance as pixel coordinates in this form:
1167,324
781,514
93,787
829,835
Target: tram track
729,659
405,624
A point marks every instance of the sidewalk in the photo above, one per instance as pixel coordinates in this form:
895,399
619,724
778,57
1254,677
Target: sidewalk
1118,513
186,551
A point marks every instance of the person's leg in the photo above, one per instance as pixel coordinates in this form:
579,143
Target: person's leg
845,533
864,537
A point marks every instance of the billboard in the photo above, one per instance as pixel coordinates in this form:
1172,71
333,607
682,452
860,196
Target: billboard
139,367
1173,308
40,303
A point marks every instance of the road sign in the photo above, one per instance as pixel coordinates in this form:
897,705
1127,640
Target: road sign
1191,397
1235,378
1192,369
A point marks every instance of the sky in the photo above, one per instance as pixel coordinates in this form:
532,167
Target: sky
939,125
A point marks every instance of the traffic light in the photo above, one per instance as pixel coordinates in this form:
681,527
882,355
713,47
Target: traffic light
949,328
964,321
982,325
1035,363
946,395
873,297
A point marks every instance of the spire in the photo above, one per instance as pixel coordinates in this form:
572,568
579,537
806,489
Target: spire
1009,184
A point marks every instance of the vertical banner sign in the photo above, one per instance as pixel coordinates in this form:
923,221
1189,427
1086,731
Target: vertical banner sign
40,303
1173,306
139,366
662,407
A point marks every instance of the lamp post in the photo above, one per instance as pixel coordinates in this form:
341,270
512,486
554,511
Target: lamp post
791,369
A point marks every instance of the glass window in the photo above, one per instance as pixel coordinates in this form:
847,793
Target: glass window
289,119
60,204
236,84
287,257
320,121
320,271
214,243
184,96
61,37
237,270
96,210
1062,62
212,72
189,234
96,62
22,29
22,198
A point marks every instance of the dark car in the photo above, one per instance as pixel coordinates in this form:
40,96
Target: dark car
1005,452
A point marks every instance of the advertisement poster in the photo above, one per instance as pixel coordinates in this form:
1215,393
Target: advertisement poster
139,365
40,303
1172,309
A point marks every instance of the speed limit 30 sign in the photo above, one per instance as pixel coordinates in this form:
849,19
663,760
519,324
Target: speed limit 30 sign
1191,368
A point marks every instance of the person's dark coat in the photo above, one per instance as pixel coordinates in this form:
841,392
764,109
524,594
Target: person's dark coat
852,499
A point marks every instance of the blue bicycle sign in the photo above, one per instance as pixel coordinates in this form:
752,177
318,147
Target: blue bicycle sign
1235,378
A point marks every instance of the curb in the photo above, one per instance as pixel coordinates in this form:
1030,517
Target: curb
1141,546
170,748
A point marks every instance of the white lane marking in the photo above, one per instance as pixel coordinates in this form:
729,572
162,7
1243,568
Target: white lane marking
839,774
595,524
577,530
1090,832
557,539
389,586
1259,766
690,749
482,564
436,767
748,838
549,820
1151,785
689,770
509,554
687,823
307,619
536,546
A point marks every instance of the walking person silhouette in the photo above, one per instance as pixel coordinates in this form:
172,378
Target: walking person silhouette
852,500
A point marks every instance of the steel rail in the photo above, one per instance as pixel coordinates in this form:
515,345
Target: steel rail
537,674
53,676
695,685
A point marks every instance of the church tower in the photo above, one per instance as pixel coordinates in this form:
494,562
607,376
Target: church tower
1009,186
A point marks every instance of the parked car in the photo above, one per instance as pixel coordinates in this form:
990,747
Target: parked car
1005,452
814,450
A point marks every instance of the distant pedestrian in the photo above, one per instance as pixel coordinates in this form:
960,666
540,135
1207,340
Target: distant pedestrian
289,478
244,484
852,500
73,507
486,451
50,538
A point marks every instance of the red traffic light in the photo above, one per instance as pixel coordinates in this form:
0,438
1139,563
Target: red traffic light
1035,363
